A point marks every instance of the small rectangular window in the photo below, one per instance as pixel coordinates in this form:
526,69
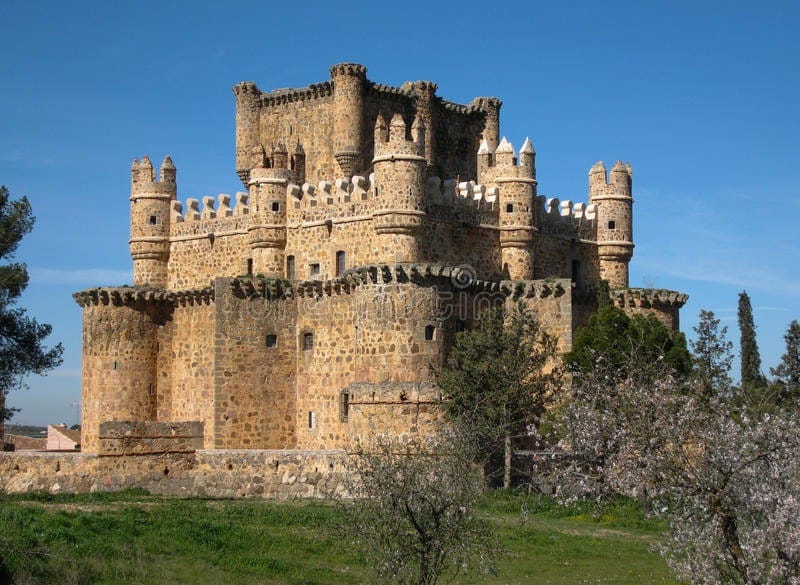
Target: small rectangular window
340,263
272,340
250,267
276,206
509,207
313,270
290,268
612,225
429,332
153,220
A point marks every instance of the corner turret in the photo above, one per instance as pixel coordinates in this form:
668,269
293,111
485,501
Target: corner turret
425,94
491,129
349,86
247,126
517,185
614,203
267,230
399,167
150,220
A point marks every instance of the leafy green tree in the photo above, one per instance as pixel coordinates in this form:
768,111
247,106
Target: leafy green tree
752,378
497,378
787,373
712,355
617,339
22,347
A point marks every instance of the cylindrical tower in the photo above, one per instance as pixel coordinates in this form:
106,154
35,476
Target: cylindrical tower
426,111
267,230
517,185
491,128
399,167
349,82
120,348
614,221
150,221
247,126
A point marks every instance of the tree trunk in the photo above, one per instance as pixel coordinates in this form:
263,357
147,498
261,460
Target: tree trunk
507,460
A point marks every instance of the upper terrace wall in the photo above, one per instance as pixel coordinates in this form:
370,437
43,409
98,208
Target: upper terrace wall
308,122
211,240
312,116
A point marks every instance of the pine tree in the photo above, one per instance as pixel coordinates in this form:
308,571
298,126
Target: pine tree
712,355
752,378
22,349
788,371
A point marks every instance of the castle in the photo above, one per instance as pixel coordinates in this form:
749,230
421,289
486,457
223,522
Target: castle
306,310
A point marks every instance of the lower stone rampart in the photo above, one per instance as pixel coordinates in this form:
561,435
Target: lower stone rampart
218,474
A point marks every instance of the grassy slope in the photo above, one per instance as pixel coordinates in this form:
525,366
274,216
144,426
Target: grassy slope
134,538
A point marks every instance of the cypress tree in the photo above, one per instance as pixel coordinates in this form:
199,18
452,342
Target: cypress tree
750,358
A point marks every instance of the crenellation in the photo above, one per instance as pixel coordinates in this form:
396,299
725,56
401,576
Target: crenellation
192,210
208,208
307,311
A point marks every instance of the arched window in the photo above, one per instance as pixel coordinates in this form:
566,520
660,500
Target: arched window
308,341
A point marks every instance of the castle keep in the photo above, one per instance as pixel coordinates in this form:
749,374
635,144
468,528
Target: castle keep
306,310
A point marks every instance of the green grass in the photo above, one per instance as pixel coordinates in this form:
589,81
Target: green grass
137,538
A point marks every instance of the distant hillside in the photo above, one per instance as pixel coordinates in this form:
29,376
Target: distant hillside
26,430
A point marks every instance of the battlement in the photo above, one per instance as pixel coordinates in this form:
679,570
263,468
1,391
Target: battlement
618,184
648,298
144,181
348,69
396,143
502,164
136,295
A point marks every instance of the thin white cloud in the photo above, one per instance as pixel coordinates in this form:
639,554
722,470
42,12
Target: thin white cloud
80,276
695,239
69,373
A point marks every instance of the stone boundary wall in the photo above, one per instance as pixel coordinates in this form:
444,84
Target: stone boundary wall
216,474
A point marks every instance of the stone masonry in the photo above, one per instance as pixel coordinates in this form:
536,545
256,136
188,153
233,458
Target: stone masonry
306,311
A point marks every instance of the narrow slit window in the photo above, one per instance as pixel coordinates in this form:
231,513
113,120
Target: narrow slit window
312,420
576,272
290,268
249,266
344,405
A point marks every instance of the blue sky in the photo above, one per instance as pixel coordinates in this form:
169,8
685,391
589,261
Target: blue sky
700,97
